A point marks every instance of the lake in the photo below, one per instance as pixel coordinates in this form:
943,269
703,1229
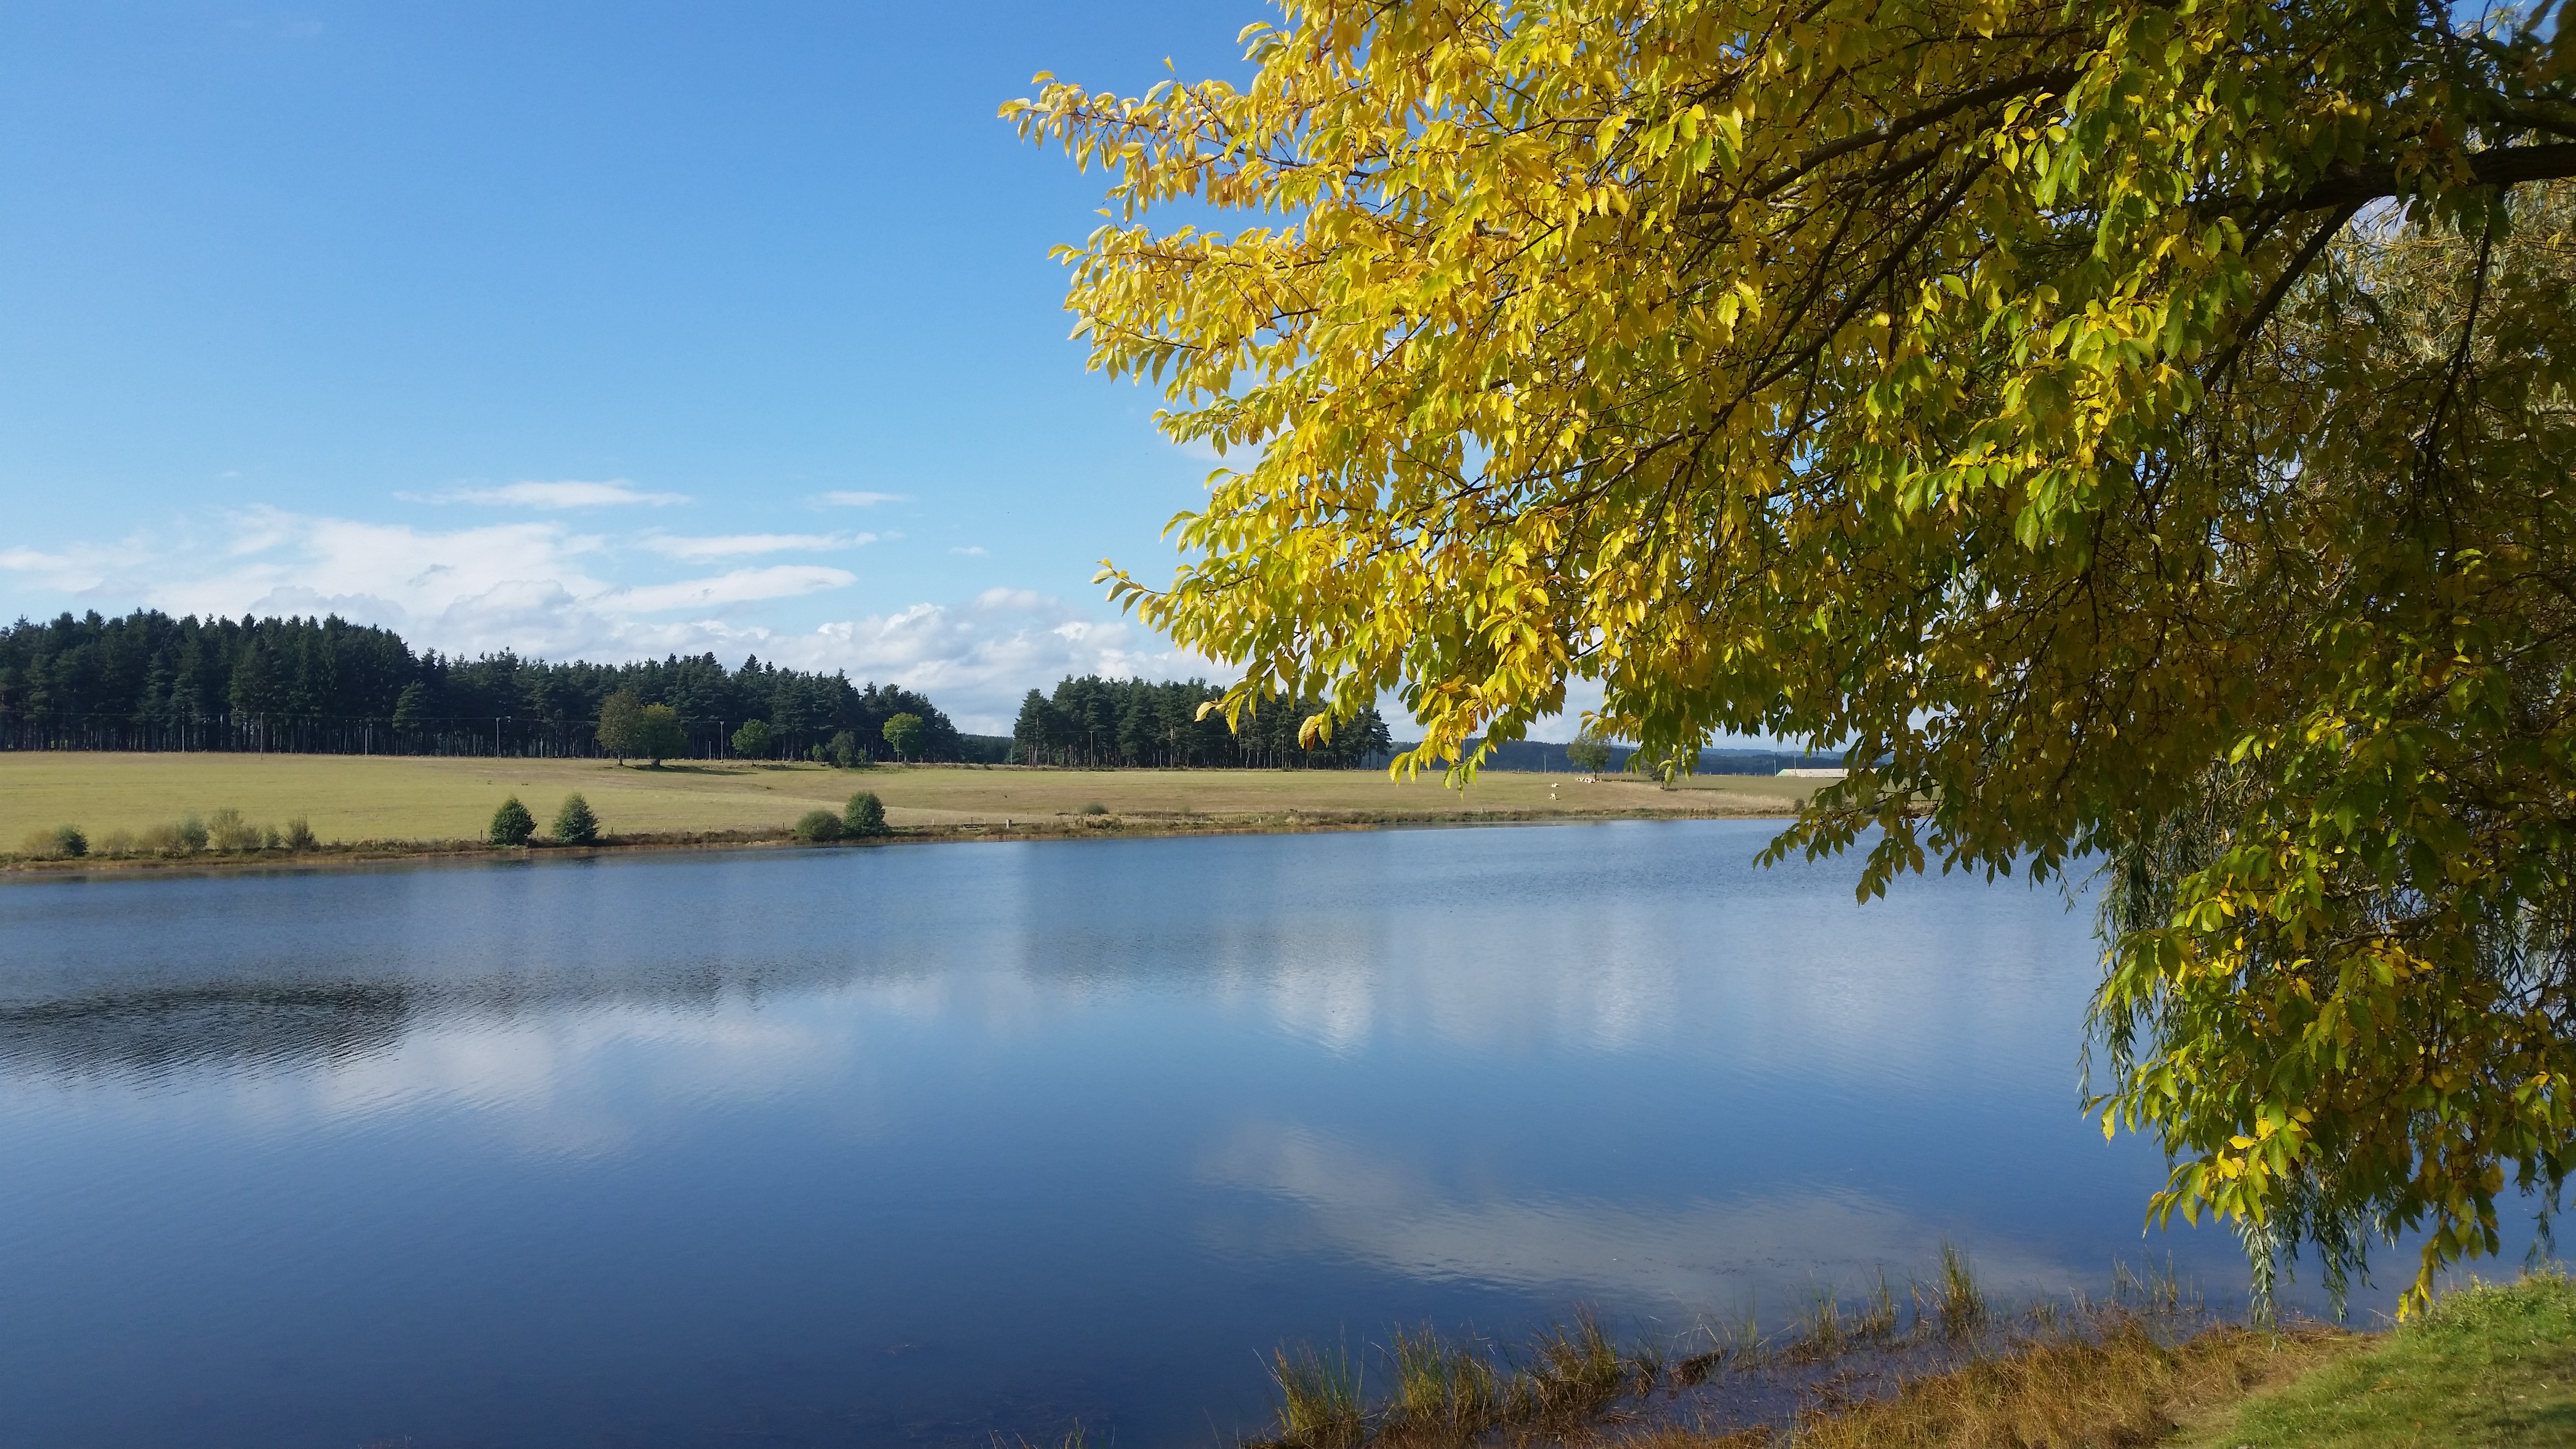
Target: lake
916,1144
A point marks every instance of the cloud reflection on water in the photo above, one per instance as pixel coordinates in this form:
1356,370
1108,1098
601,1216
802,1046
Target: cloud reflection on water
1768,1247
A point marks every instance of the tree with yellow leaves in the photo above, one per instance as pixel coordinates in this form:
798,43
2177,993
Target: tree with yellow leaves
2141,429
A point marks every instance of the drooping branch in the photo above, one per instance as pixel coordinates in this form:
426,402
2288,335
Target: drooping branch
2356,186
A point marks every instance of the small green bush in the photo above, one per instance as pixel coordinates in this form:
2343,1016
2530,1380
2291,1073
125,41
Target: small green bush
1095,808
227,831
299,834
755,741
574,824
844,751
865,815
819,826
63,842
191,833
512,824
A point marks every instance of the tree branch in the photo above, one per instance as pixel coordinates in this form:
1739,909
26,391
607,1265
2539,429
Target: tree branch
2356,186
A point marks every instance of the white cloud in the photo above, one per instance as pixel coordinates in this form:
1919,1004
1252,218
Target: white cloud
861,499
542,588
734,544
972,550
86,570
568,494
742,586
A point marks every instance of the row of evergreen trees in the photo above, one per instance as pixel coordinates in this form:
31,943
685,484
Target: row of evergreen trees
1098,723
151,682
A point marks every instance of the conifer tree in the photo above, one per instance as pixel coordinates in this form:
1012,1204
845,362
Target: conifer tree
574,823
865,815
512,824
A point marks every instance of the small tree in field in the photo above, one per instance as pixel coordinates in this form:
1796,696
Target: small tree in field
1589,753
819,827
621,725
754,741
574,824
905,733
658,735
866,814
512,824
845,752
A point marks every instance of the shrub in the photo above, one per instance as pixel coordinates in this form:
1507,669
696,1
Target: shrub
299,834
227,831
574,824
754,740
1095,808
512,824
63,842
116,843
865,815
819,826
191,833
845,752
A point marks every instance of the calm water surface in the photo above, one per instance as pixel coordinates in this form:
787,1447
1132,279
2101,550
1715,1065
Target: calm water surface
910,1145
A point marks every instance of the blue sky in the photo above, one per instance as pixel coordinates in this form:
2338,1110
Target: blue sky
595,330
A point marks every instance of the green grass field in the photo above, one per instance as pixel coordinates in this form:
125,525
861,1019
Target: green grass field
2491,1365
352,798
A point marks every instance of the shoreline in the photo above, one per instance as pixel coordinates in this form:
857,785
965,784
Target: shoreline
351,855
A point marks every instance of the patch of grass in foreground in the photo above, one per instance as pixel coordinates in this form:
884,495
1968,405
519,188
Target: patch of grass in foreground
2489,1364
2122,1391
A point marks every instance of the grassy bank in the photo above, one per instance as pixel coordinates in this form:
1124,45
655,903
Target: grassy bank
2490,1365
412,804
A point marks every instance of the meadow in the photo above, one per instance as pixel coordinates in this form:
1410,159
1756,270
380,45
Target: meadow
348,798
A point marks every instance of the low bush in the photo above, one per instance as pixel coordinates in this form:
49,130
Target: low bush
865,814
117,843
299,835
574,824
818,826
845,753
192,833
227,831
512,824
63,842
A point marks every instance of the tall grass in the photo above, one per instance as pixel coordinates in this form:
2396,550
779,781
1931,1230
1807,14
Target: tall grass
1319,1399
1452,1394
1443,1390
1957,1300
